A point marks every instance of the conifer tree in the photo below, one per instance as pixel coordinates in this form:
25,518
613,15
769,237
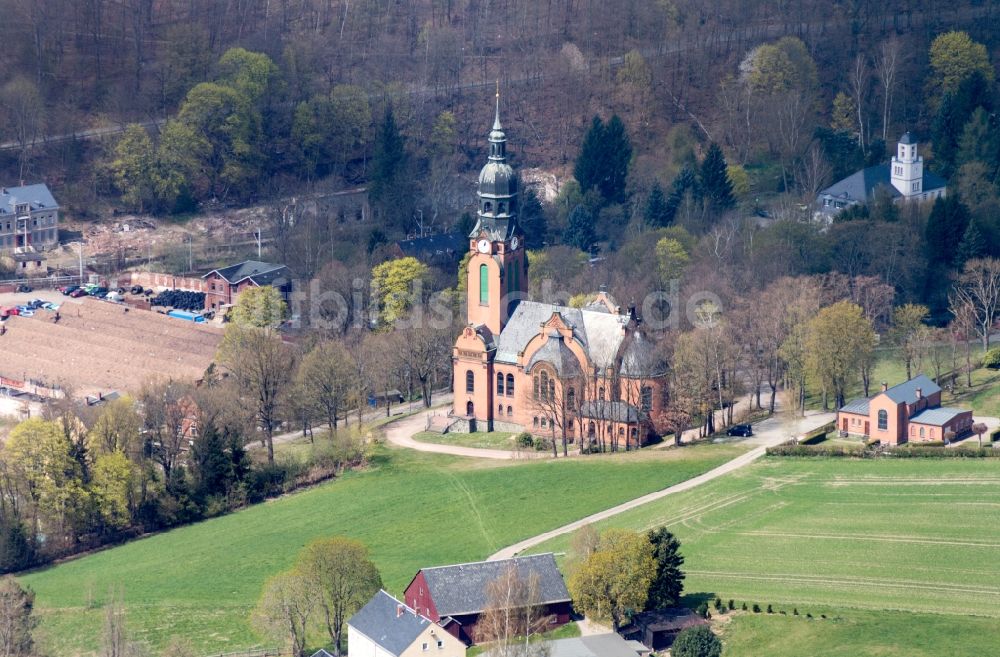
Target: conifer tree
946,226
972,245
580,229
657,212
716,188
532,219
388,167
587,169
618,155
666,587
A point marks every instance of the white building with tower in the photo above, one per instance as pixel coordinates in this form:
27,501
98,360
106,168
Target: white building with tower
903,179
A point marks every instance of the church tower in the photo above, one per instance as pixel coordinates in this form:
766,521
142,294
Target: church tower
907,167
497,273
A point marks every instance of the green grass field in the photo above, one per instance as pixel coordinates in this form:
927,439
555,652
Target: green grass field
411,509
849,634
912,535
478,439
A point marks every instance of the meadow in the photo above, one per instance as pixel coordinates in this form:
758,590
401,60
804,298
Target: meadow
477,439
910,535
411,509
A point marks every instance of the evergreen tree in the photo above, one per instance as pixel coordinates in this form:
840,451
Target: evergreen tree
716,188
580,229
666,587
972,245
618,155
587,169
684,185
386,188
945,228
657,212
211,465
953,115
532,219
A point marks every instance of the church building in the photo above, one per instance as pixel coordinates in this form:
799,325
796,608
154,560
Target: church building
521,365
903,179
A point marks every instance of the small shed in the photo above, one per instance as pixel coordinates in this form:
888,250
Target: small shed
657,629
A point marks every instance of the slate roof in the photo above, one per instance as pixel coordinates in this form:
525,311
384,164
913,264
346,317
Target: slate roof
615,411
600,333
556,353
907,391
380,621
859,406
595,645
434,245
37,196
261,273
460,589
861,185
908,138
639,359
937,417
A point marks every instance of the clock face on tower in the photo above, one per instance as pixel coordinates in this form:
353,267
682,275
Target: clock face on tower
514,243
483,246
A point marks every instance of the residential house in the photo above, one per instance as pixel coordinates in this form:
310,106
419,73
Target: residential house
385,627
225,285
902,179
908,412
456,596
29,218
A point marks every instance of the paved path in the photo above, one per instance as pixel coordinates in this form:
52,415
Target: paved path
400,433
772,431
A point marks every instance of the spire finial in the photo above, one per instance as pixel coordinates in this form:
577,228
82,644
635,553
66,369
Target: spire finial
496,117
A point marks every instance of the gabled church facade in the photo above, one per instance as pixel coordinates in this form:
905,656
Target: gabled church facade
519,365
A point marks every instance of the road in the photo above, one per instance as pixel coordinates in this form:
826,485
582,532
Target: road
772,431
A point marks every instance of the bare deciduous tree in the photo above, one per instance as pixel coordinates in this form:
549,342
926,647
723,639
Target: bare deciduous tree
513,615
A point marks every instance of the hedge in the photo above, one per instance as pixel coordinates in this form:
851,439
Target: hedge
897,452
818,435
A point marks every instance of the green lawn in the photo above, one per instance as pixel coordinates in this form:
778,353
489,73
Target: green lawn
411,509
912,535
478,439
849,634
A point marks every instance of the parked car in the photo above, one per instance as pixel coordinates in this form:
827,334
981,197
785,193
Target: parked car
99,292
744,430
69,289
78,292
23,288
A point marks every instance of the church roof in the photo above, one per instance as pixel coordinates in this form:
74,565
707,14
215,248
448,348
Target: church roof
861,185
600,333
556,353
908,138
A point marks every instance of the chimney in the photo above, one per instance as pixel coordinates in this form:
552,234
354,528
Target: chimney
885,386
399,610
920,393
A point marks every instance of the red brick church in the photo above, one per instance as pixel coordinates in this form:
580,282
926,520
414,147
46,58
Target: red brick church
521,365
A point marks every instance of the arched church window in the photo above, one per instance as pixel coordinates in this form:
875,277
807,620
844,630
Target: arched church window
591,429
883,420
510,385
600,393
487,207
500,410
534,392
646,397
510,411
552,389
545,386
534,421
470,381
501,208
484,285
571,397
500,383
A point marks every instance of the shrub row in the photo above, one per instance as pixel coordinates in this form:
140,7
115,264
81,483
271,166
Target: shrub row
921,451
818,435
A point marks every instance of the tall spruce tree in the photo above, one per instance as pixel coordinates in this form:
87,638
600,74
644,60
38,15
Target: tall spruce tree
657,213
668,584
532,218
716,188
386,188
953,115
946,226
972,245
618,155
580,229
587,169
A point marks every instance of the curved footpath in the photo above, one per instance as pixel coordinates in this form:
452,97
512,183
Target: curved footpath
770,432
